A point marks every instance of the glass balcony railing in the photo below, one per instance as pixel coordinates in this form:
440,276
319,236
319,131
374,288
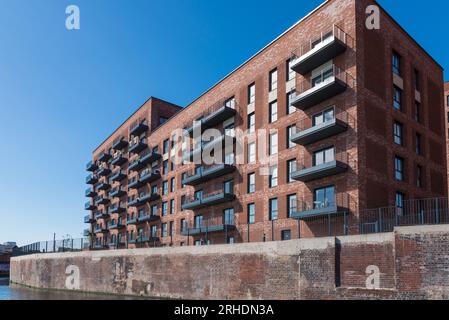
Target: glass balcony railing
326,205
209,225
139,127
310,170
209,200
119,143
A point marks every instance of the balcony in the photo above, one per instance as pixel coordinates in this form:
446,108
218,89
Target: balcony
329,83
320,50
210,225
139,128
329,168
149,157
148,218
213,119
90,193
205,174
131,220
138,145
119,160
149,176
116,226
87,233
136,165
119,144
102,201
148,238
103,186
104,172
101,215
90,206
118,176
91,179
91,166
117,192
104,157
144,198
134,183
101,229
223,140
308,133
99,246
210,200
89,219
117,208
337,205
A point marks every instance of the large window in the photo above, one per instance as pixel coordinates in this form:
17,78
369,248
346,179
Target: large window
323,156
251,123
322,117
397,133
397,98
324,197
251,182
273,179
164,208
165,146
252,152
165,167
251,93
198,221
273,207
291,130
228,186
273,116
400,200
165,188
229,216
292,204
251,213
273,142
273,80
399,168
291,168
396,63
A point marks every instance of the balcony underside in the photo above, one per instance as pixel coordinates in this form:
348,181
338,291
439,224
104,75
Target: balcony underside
329,211
149,158
118,210
103,201
319,55
120,145
119,161
135,166
149,178
103,186
208,229
321,171
91,166
104,172
319,132
118,177
149,218
117,227
214,119
91,193
100,231
137,147
91,180
209,201
90,207
89,219
144,200
208,174
319,93
104,157
139,129
118,194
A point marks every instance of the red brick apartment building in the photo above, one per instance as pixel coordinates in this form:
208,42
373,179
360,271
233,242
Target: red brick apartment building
446,103
354,117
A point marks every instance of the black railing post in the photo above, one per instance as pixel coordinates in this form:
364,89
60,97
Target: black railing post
380,221
437,212
248,231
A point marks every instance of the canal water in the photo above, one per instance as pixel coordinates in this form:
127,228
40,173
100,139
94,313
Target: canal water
20,293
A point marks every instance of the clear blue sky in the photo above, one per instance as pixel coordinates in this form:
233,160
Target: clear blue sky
62,92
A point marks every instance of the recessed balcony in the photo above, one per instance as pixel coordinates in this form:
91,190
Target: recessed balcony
119,160
205,174
104,172
211,200
117,192
91,179
118,176
333,206
119,144
104,157
320,171
90,193
103,186
215,118
91,166
138,146
149,176
149,157
320,50
90,206
329,83
138,128
316,132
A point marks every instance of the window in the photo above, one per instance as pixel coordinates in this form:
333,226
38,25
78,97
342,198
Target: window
418,144
290,72
230,103
292,205
165,146
251,182
172,206
417,82
228,215
399,168
228,186
251,123
286,235
291,168
165,188
154,189
418,112
291,130
419,176
322,117
396,63
397,98
273,80
273,116
164,230
198,194
251,213
400,200
164,208
290,108
183,177
273,204
172,185
154,210
198,221
251,93
273,179
252,152
397,133
273,142
165,167
171,229
153,231
323,156
324,197
183,225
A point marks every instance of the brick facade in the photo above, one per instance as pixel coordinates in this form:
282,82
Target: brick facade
366,147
